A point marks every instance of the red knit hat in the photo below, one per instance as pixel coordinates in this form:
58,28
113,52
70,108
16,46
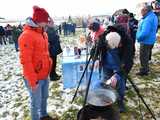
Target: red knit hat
40,15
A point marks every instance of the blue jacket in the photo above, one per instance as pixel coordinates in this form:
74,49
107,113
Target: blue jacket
147,29
111,65
111,60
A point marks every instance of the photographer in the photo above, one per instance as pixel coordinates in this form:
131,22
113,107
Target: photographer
96,30
111,66
115,50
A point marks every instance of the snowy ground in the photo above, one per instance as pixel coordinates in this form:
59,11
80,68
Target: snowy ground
14,96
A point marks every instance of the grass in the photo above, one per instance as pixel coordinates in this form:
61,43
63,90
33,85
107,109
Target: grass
148,91
147,86
70,114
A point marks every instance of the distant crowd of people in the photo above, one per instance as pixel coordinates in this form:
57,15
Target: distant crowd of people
10,34
69,28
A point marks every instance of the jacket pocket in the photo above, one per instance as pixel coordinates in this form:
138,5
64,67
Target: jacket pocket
38,67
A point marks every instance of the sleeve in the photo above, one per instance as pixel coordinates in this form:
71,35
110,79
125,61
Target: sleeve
128,54
144,30
26,54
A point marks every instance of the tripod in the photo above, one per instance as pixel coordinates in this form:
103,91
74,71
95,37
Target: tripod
139,95
89,82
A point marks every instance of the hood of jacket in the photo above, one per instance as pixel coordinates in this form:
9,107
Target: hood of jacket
31,23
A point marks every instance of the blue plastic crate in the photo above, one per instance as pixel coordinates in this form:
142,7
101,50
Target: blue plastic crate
73,68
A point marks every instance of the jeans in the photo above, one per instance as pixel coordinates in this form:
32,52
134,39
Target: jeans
38,99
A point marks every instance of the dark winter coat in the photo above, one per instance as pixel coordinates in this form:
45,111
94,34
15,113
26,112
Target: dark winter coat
123,20
2,31
54,42
133,25
16,33
126,46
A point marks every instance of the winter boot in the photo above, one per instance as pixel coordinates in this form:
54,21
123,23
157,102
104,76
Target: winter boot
121,106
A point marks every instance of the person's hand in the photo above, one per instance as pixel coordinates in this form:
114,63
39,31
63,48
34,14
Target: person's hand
34,85
112,81
33,88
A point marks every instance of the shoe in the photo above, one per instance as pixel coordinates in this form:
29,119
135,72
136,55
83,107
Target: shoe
56,75
55,78
142,73
48,118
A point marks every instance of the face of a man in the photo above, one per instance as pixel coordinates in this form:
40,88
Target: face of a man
154,5
143,11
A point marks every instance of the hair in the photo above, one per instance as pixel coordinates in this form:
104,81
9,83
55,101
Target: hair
94,26
146,5
131,15
113,39
125,11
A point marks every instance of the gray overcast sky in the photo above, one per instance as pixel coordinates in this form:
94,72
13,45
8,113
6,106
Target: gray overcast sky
20,9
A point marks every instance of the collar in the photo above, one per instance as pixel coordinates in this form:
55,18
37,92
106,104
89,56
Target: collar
147,14
37,29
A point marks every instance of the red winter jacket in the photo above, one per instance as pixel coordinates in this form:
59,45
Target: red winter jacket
34,54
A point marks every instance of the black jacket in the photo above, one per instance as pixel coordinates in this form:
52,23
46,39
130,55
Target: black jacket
126,48
54,42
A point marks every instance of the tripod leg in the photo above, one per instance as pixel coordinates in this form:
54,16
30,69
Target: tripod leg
88,85
140,96
89,81
81,79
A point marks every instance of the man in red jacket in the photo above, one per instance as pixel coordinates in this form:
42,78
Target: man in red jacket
36,63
